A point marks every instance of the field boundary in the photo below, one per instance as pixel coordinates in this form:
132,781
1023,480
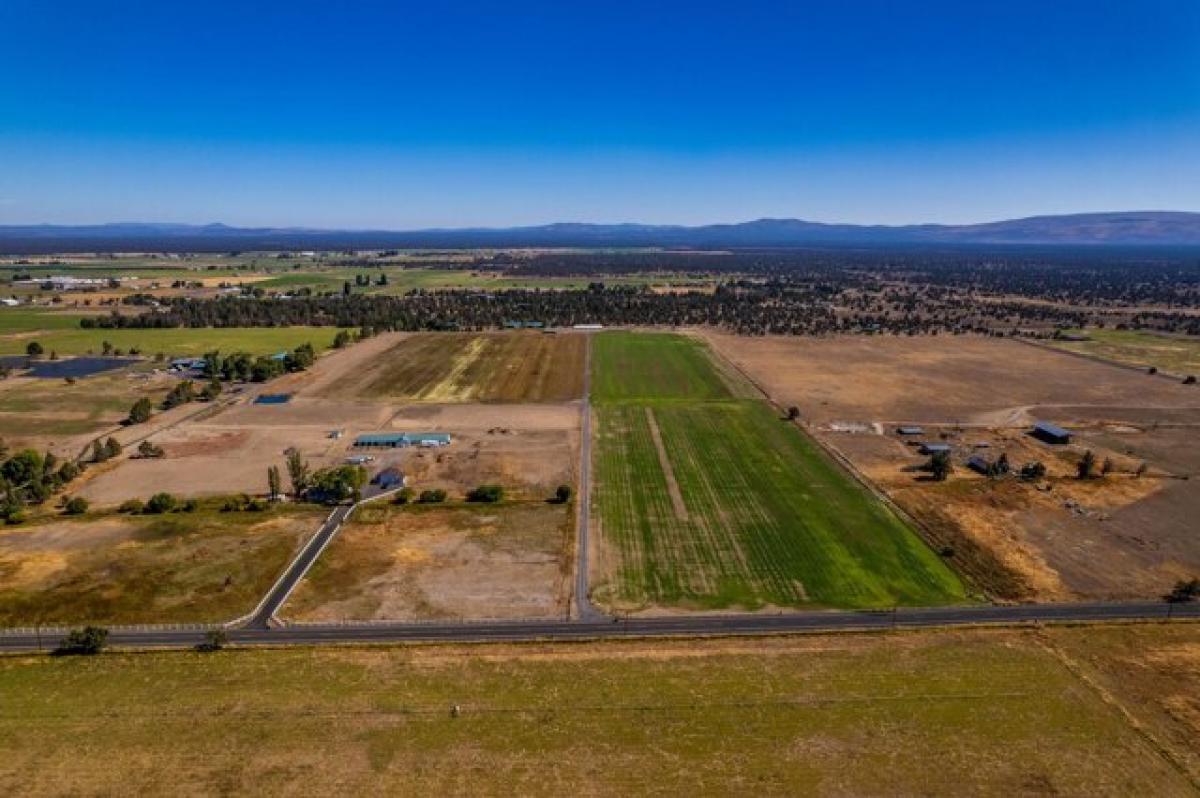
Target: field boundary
664,463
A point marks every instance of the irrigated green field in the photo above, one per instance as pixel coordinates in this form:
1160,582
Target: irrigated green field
716,503
654,368
985,712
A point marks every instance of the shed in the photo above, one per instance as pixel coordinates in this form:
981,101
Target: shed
980,464
934,448
390,477
1051,433
909,430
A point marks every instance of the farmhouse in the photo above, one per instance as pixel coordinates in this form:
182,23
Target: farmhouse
390,477
1051,433
397,440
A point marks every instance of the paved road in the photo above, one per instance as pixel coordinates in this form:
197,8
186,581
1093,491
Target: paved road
283,587
585,610
684,626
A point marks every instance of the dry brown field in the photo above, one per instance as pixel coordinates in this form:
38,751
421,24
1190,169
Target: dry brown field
428,562
471,367
181,567
1059,538
1056,711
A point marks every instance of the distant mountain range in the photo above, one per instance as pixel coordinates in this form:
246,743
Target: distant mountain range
1124,228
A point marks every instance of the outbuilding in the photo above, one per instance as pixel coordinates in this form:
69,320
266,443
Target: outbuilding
910,430
934,448
1051,433
390,477
980,464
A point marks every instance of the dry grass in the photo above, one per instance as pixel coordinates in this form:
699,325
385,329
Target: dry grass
937,713
469,367
183,567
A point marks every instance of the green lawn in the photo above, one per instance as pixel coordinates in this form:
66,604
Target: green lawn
178,341
747,510
937,713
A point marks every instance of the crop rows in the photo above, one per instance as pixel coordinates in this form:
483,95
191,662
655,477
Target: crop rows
769,519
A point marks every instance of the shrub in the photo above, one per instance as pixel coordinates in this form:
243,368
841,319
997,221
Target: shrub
76,505
131,506
403,496
88,641
160,503
190,506
435,496
489,494
214,640
562,494
15,518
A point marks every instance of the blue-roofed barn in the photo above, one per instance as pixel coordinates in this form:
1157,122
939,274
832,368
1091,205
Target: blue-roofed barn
1051,433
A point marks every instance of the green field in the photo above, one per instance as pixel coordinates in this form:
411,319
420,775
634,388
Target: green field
937,713
1172,353
176,341
654,368
716,502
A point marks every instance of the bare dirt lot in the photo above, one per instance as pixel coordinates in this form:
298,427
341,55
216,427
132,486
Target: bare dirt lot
471,367
427,562
1121,536
528,448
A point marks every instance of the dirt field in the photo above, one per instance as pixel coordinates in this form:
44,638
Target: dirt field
1082,711
427,562
1058,538
201,566
469,367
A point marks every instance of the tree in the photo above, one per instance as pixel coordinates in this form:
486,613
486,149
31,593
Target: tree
403,496
1142,468
337,483
1032,471
274,482
76,505
148,450
211,390
34,349
298,471
940,466
793,413
562,494
88,641
22,467
214,640
181,394
160,503
1086,468
112,448
1002,465
140,412
1107,467
342,339
132,506
434,496
98,453
488,494
1184,591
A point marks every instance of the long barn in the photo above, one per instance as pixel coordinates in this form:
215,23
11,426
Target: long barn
397,440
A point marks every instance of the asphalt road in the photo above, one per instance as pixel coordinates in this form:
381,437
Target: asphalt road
261,617
584,608
683,626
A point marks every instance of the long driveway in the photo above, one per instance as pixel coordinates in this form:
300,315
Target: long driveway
585,610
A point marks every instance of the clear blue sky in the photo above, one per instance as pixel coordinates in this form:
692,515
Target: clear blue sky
402,115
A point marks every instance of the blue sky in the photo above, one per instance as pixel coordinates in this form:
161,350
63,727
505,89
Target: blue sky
398,115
